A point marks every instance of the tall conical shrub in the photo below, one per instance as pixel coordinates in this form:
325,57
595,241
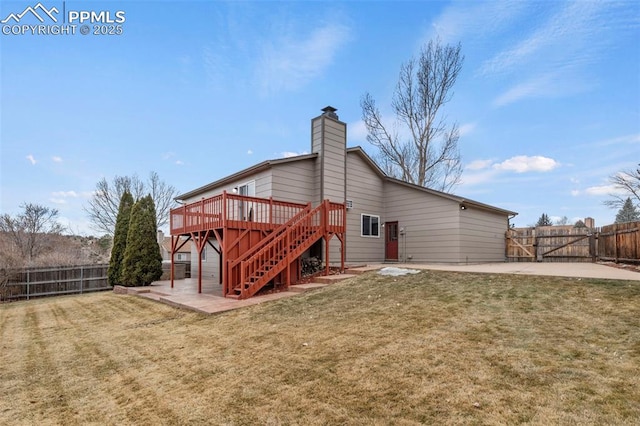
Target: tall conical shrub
142,260
120,239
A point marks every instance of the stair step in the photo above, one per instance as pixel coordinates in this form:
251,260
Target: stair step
233,296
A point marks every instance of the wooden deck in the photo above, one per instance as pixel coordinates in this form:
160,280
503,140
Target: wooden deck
259,240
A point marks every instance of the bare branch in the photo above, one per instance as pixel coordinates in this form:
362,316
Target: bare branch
103,207
425,150
29,230
628,181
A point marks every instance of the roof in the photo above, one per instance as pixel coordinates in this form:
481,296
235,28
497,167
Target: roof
265,165
355,150
166,244
461,200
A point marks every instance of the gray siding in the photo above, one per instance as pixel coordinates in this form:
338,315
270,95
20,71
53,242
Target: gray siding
365,190
210,267
316,146
482,236
430,223
334,160
293,181
262,180
329,140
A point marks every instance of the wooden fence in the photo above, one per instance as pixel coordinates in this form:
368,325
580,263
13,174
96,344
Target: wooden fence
618,242
40,282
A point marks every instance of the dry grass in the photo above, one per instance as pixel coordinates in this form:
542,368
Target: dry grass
436,347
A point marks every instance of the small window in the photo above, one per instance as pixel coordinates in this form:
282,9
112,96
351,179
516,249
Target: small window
204,254
182,256
370,225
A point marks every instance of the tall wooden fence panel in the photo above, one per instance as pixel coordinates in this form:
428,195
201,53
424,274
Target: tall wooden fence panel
550,244
617,242
620,242
39,282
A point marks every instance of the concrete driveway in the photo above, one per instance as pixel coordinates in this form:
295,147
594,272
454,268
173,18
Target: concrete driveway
576,270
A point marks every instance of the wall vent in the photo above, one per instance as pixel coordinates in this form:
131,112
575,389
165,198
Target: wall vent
349,204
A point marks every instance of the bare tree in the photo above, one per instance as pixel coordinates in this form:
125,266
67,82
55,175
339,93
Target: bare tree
628,181
103,206
29,230
418,146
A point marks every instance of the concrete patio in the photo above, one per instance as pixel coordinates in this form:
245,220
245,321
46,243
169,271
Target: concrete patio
184,293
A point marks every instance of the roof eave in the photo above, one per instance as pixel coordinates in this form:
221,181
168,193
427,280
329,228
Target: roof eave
242,173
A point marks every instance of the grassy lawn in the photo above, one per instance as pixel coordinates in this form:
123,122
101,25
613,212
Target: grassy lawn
434,348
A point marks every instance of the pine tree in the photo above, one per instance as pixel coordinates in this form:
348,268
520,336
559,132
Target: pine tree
628,212
544,220
120,239
142,260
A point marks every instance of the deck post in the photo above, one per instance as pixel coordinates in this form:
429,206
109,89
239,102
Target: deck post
223,246
325,226
200,246
173,238
343,232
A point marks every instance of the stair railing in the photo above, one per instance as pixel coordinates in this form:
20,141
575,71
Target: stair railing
261,267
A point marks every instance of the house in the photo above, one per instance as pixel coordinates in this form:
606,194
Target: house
361,215
182,255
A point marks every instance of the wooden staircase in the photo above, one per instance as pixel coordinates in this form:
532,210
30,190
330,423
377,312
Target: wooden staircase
278,251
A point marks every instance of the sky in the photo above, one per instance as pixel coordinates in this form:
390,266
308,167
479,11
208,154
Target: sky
547,102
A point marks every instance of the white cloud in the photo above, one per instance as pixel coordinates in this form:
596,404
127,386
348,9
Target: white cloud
65,194
61,196
570,36
56,159
466,129
551,84
289,154
478,177
170,156
293,61
475,19
249,152
58,200
479,164
603,190
524,163
627,139
483,171
31,159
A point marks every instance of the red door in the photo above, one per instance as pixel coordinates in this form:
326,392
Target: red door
391,241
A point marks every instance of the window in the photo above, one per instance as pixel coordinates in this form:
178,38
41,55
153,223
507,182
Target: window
245,208
204,254
181,256
248,189
370,225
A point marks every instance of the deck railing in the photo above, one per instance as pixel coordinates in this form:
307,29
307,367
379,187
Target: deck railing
336,217
231,209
